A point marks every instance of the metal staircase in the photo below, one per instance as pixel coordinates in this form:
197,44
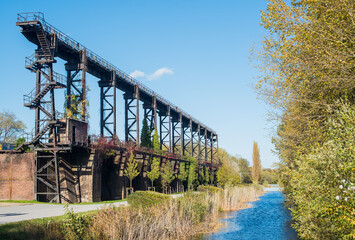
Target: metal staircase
43,42
41,99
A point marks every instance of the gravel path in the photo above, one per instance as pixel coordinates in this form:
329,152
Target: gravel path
20,212
14,212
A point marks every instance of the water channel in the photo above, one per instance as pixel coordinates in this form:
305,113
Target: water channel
267,219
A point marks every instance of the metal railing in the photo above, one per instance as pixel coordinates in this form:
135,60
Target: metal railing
38,16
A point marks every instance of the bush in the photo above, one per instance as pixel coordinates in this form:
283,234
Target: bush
146,199
210,189
75,225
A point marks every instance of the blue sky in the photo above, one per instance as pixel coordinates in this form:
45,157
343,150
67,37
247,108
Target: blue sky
200,46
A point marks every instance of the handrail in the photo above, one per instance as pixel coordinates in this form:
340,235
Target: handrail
38,16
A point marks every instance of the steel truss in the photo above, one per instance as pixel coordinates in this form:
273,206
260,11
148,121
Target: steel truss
177,135
165,129
76,87
150,114
108,107
187,140
196,142
132,116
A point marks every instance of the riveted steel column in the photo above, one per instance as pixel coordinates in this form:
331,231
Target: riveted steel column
212,147
83,83
217,149
165,129
199,142
169,129
182,142
113,78
137,112
206,158
191,139
155,113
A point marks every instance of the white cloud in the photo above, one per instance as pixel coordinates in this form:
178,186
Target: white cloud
157,74
160,72
137,74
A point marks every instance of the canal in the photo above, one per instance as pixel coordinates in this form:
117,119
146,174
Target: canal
267,218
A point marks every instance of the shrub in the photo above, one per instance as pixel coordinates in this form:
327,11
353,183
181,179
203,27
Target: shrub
146,199
75,225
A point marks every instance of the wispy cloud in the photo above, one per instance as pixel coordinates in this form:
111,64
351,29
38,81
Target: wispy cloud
159,73
137,74
156,75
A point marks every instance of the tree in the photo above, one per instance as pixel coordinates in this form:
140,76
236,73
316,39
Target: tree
154,172
131,170
156,142
307,61
183,174
167,176
256,171
244,170
192,173
10,127
227,175
145,134
207,176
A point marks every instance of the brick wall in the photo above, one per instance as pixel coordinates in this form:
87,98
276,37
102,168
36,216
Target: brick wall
16,176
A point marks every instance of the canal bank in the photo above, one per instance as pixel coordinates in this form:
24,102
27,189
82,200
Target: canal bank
267,218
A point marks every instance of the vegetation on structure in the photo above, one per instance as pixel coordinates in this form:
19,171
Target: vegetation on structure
131,171
307,63
10,127
150,215
256,170
74,106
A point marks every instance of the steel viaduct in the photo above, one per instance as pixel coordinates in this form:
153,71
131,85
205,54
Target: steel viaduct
54,133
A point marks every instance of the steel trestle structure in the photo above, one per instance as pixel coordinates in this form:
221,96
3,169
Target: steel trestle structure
179,132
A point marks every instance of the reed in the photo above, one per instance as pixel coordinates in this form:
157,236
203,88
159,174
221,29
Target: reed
175,219
181,218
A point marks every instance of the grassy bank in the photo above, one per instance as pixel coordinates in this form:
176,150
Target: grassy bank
150,216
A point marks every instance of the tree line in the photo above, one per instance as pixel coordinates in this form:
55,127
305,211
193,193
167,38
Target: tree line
307,64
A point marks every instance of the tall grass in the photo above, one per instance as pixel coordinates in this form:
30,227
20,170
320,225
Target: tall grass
175,219
180,218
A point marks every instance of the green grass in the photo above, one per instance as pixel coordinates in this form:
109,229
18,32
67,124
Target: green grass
34,228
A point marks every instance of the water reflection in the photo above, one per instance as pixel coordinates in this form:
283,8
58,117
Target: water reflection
266,219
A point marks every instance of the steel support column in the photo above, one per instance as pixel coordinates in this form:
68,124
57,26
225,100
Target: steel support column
206,146
132,116
108,107
165,130
176,134
187,138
